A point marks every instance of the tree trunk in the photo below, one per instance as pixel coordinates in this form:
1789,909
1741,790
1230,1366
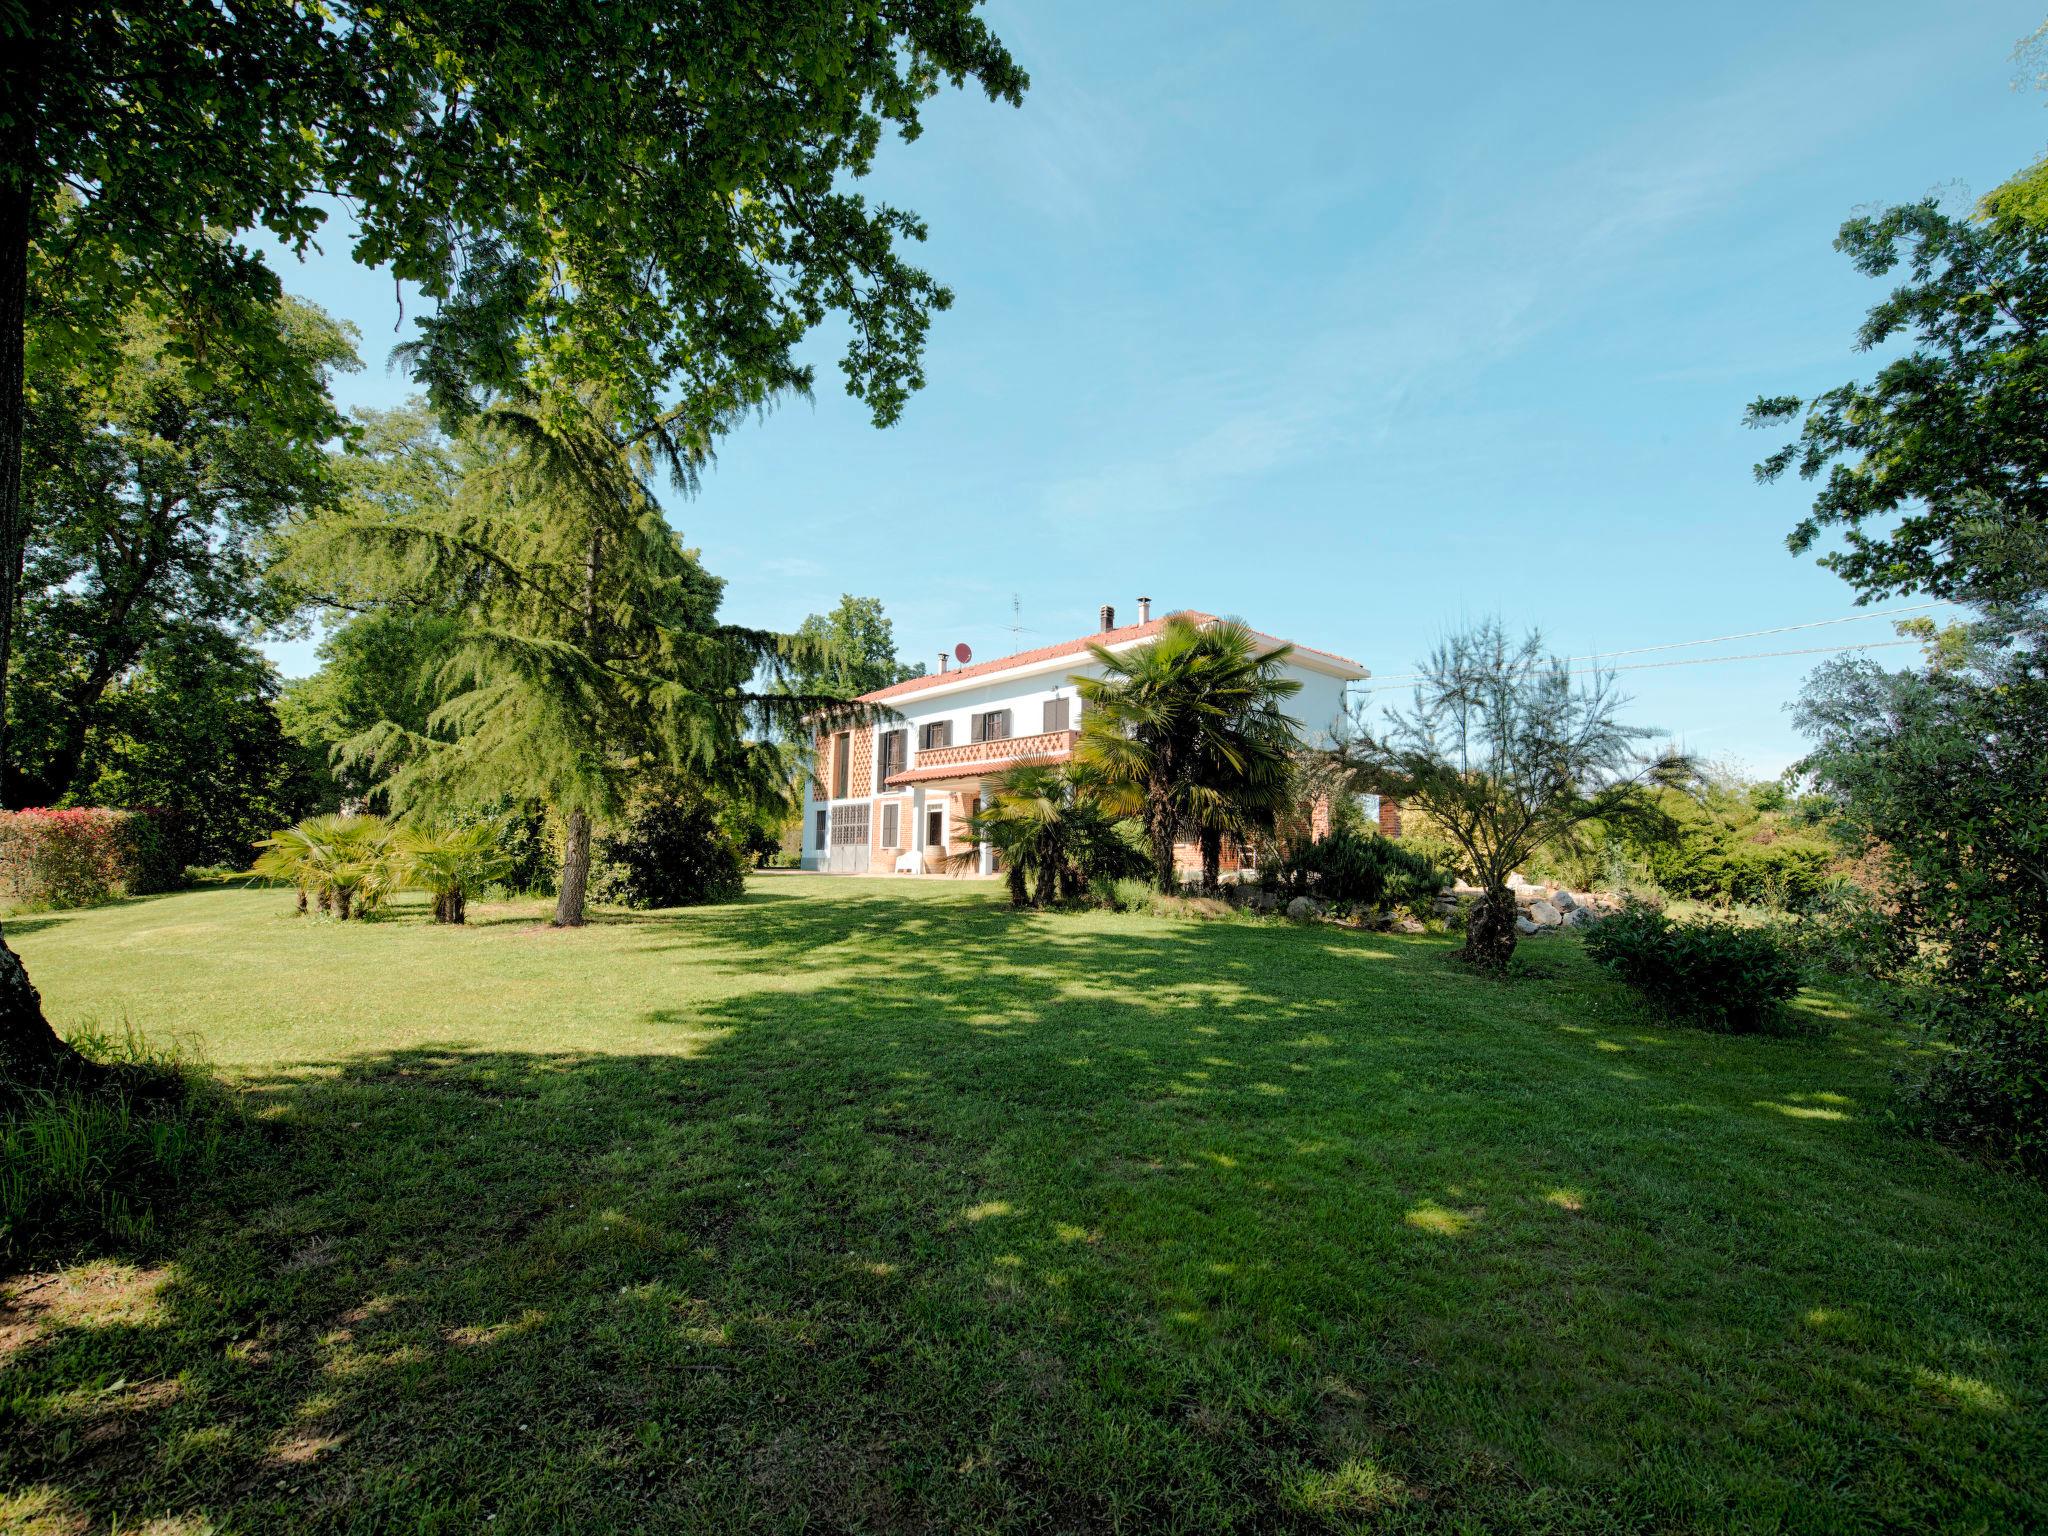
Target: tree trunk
1019,896
569,896
31,1053
1490,931
342,898
1212,861
17,202
302,901
1159,822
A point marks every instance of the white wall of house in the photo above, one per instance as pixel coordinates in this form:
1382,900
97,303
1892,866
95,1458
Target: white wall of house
1025,692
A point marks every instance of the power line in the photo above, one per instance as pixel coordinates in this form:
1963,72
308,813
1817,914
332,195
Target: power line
1747,634
1707,661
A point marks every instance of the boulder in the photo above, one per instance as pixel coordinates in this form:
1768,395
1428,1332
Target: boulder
1580,917
1516,882
1544,915
1409,925
1564,901
1524,927
1301,909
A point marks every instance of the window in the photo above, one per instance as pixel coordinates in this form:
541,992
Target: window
892,823
892,755
994,725
935,827
1056,714
819,841
842,764
850,826
939,733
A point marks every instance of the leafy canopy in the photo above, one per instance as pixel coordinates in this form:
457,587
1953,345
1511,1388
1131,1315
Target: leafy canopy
1935,471
858,643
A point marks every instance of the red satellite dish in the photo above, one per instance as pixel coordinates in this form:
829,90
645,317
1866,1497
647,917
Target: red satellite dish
962,654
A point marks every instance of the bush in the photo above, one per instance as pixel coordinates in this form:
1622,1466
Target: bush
87,855
670,853
1715,974
80,1168
1359,871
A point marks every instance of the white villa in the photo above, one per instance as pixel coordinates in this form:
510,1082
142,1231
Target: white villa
894,797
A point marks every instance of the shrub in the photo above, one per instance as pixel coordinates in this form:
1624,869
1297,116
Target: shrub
85,1167
671,852
1359,870
1713,973
80,857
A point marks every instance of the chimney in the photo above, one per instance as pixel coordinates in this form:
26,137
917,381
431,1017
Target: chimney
945,661
1144,610
1108,617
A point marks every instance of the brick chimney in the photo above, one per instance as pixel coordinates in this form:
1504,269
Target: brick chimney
1108,617
1144,610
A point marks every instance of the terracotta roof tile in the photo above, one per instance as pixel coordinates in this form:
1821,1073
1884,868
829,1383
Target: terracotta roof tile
1118,636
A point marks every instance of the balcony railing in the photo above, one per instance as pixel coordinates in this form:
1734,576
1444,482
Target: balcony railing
985,754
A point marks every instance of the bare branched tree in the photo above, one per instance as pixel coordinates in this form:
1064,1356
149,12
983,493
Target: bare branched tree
1505,751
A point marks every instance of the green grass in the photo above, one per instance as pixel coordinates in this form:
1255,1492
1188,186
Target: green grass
871,1206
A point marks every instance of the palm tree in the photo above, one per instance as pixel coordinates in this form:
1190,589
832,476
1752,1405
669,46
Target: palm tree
450,863
1193,725
1048,822
289,856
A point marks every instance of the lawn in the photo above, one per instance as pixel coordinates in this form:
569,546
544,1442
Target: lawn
872,1206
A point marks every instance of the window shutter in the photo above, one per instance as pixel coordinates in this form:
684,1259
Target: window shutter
977,727
1055,715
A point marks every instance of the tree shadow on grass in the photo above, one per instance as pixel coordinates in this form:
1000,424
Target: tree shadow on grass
1053,1224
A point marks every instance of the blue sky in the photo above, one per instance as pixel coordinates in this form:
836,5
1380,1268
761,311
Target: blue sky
1363,321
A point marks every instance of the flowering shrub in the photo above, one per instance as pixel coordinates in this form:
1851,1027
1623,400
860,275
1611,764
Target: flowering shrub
74,858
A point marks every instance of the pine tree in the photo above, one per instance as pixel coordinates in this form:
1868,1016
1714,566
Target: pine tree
590,652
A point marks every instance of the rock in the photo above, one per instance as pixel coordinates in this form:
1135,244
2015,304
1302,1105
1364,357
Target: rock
1525,927
1580,917
1301,909
1544,915
1409,925
1564,901
1516,882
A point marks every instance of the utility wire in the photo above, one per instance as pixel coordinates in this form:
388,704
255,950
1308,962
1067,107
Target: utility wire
1702,661
1747,634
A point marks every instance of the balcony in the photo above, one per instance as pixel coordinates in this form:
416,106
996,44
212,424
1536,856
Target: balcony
976,757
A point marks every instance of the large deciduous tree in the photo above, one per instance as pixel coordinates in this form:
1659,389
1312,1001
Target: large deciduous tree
859,643
152,490
650,201
1505,753
1935,471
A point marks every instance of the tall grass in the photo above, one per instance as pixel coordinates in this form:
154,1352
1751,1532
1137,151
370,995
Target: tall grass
85,1168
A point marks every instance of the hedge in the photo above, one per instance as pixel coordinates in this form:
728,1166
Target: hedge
75,858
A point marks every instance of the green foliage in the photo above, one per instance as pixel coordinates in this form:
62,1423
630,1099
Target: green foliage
504,171
195,731
1047,826
151,492
1187,734
82,856
1359,871
451,864
1503,754
84,1169
856,651
1942,774
671,851
1717,974
346,865
1945,452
